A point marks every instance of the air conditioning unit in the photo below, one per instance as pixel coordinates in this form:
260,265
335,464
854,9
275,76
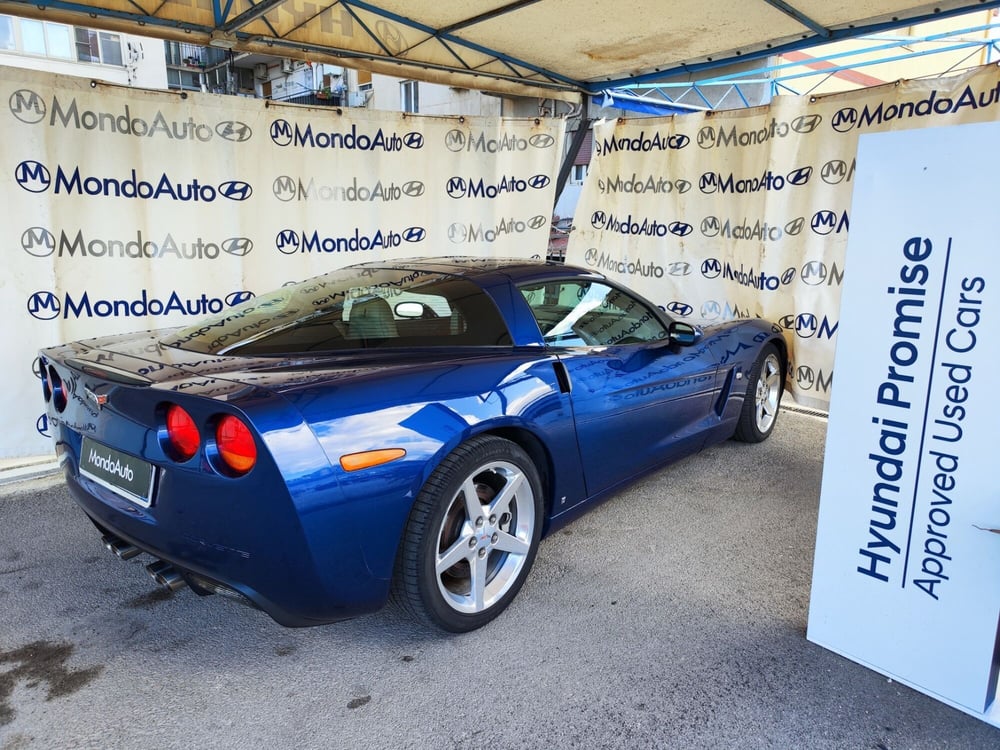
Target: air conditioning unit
286,65
260,71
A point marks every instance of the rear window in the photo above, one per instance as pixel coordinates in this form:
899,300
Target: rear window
354,308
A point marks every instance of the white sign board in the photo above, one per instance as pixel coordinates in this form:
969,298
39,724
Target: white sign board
906,578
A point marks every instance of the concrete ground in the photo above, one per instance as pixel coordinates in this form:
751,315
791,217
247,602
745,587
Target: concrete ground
672,616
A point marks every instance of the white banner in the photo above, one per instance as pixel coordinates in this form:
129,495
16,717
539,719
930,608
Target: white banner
907,549
745,213
127,209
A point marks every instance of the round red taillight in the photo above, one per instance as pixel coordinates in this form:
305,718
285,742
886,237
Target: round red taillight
236,445
182,433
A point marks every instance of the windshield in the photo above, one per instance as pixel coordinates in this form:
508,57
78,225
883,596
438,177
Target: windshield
354,308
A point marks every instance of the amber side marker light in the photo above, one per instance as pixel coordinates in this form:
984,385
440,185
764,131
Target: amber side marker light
367,459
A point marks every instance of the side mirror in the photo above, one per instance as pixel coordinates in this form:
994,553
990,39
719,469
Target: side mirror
683,334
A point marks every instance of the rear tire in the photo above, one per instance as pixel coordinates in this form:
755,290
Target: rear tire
472,536
763,397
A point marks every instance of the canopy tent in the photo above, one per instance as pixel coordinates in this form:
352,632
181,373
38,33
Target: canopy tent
542,48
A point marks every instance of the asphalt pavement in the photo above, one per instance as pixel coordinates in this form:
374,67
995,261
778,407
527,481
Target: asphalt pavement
672,616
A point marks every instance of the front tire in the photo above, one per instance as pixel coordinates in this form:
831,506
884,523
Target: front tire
763,397
472,536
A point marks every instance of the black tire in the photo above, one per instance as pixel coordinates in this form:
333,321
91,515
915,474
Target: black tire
763,397
495,549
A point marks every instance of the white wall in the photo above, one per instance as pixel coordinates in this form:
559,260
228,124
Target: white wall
434,99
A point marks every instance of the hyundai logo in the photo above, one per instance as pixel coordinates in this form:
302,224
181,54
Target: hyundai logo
287,241
794,227
706,137
235,298
804,377
454,140
537,222
681,309
708,183
414,234
238,246
27,106
284,188
590,257
458,232
682,186
680,229
413,188
413,140
44,306
806,123
788,276
542,140
235,190
391,36
42,425
599,219
824,222
800,176
457,187
33,176
710,226
233,130
813,273
678,268
539,181
281,132
680,141
711,268
38,241
845,119
710,309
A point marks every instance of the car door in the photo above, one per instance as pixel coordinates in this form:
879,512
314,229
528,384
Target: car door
638,400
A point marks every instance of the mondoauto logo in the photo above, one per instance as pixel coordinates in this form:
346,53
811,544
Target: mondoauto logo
808,325
710,309
44,306
706,137
590,257
641,143
288,241
459,187
808,380
816,272
33,176
47,306
233,130
680,229
461,233
711,182
718,137
287,189
38,241
741,229
456,140
27,106
845,119
711,268
837,171
828,222
283,133
681,309
710,226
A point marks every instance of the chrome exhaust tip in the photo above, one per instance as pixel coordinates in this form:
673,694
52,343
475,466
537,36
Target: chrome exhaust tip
166,575
120,548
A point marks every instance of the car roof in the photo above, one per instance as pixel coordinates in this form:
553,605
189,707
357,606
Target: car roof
514,269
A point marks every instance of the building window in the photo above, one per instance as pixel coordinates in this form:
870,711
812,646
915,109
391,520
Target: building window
578,174
183,79
59,41
409,94
98,47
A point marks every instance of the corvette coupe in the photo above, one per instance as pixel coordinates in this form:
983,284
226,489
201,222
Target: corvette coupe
401,429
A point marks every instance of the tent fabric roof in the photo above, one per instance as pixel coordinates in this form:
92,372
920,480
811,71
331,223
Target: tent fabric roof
548,48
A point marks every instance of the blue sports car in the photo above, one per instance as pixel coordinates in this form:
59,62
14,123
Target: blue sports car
403,429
